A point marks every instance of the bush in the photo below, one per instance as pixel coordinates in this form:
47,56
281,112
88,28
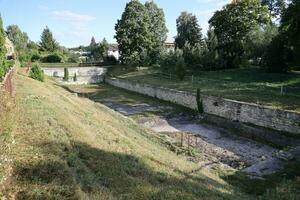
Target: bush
75,77
66,74
172,60
199,102
276,56
180,68
53,58
35,56
37,73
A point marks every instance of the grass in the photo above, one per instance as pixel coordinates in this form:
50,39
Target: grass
67,147
72,148
249,85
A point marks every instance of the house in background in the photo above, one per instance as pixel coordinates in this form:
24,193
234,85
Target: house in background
170,45
113,51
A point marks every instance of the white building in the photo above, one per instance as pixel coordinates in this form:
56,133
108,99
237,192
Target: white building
113,50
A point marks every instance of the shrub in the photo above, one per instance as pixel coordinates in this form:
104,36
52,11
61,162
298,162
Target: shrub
199,102
66,74
37,73
75,77
52,58
180,68
35,56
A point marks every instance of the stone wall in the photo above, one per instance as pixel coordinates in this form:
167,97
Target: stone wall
267,117
7,85
85,75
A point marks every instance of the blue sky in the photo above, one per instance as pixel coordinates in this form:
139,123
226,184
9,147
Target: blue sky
74,22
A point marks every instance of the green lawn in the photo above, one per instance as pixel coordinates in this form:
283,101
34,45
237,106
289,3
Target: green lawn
250,85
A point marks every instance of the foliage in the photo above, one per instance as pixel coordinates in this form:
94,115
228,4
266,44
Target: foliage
257,42
48,43
99,51
52,58
180,67
158,31
133,33
17,37
199,102
35,56
232,24
75,77
37,73
188,30
2,38
284,50
290,29
275,7
193,56
66,74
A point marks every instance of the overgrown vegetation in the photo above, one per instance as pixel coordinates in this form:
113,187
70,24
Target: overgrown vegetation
66,74
37,73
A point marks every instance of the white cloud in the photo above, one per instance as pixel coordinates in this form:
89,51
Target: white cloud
74,19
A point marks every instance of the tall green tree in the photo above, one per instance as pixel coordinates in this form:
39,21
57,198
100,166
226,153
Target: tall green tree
19,39
133,33
188,30
232,24
48,43
158,30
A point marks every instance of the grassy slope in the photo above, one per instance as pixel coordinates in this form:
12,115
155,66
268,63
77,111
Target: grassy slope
71,148
249,85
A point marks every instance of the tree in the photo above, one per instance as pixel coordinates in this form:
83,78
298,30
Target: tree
48,42
290,29
93,42
100,50
133,33
157,29
19,39
2,38
275,7
188,30
232,24
257,42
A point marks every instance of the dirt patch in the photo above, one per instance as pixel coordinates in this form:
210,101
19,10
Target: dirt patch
229,149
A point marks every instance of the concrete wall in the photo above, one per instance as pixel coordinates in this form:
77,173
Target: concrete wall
286,121
85,75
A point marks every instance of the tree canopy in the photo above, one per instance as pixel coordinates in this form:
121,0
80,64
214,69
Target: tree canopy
158,30
188,30
232,24
48,43
18,38
275,7
133,33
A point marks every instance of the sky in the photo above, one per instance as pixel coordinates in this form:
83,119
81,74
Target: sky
74,22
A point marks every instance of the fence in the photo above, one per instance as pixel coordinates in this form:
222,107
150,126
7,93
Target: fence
7,84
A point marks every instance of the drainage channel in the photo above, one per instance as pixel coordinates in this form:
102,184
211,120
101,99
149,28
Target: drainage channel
215,143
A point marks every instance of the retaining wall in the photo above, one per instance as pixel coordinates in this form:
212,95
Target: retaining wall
267,117
7,84
85,75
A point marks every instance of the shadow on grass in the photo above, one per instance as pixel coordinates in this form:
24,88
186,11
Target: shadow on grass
82,170
260,186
